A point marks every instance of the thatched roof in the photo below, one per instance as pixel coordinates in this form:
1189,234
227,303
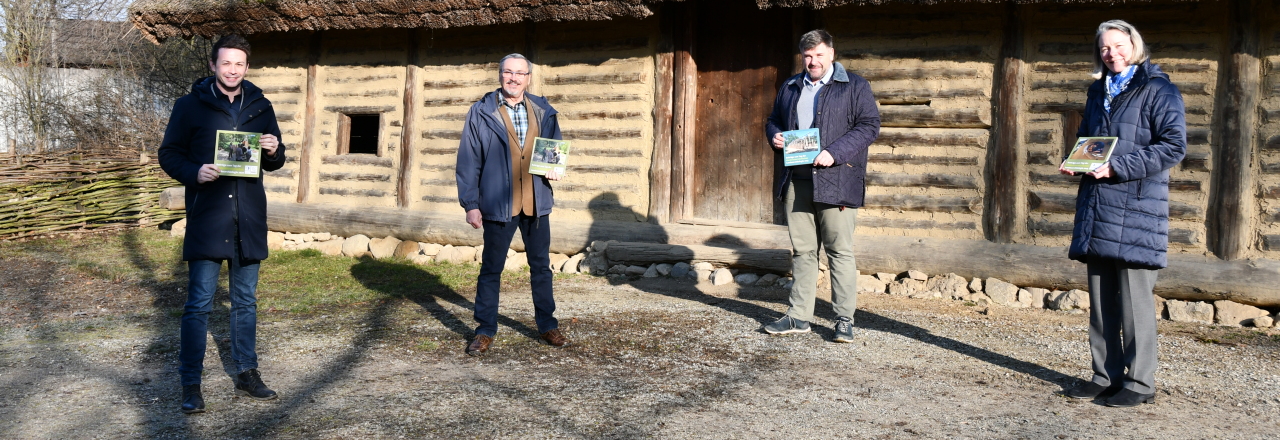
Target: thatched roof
162,19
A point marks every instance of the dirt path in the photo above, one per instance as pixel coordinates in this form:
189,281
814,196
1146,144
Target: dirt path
650,359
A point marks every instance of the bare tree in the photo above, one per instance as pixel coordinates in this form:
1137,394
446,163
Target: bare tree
74,75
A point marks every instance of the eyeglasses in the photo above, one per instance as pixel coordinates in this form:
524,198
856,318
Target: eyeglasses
514,73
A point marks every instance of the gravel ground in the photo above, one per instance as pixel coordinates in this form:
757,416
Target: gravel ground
650,358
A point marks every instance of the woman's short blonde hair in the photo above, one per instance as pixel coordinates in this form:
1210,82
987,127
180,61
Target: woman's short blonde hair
1139,48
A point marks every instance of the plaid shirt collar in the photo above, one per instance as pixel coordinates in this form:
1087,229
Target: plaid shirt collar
519,114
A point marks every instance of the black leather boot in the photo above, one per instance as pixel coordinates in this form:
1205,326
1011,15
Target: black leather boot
192,400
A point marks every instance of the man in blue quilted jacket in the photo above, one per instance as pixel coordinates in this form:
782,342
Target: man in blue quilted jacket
822,198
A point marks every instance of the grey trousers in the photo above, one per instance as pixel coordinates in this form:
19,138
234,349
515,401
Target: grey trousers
1122,325
809,222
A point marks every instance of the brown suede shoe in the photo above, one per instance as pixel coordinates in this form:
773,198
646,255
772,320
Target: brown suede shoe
479,345
554,337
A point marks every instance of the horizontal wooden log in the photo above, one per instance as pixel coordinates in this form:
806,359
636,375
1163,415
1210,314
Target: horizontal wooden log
1039,136
599,115
449,101
280,189
596,79
576,98
1079,68
1270,167
286,117
1056,107
436,167
361,94
354,177
602,169
911,159
924,96
360,79
928,117
918,53
914,74
274,89
1044,158
930,180
1057,48
353,192
459,83
904,202
772,260
1273,143
598,45
359,109
286,173
1056,179
1184,185
1271,242
1197,136
174,198
932,137
451,117
356,159
439,151
1195,162
600,134
894,223
606,152
449,135
1050,228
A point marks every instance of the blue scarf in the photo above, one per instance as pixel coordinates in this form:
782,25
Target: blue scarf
1116,83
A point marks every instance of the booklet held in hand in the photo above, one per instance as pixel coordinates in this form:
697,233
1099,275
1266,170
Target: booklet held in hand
800,147
549,154
1089,154
237,153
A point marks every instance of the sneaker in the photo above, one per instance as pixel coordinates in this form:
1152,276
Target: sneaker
787,325
844,329
250,383
192,400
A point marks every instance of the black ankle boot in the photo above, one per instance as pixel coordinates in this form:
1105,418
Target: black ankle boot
250,383
192,400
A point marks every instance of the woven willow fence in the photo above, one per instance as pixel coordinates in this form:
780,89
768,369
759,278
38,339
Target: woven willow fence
69,191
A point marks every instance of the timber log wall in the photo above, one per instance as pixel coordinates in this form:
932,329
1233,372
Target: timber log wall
978,102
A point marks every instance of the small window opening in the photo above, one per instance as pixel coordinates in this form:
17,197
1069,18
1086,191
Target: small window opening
361,134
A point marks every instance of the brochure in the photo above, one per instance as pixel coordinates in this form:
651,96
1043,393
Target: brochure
549,154
1089,154
800,147
237,153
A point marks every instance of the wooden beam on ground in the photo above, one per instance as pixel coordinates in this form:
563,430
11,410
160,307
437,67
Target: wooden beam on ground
772,260
1231,198
1189,277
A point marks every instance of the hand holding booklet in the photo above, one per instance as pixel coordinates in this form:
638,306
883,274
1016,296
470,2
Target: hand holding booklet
1089,154
237,153
800,147
549,154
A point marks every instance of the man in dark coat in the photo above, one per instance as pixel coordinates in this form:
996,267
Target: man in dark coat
226,216
500,195
821,198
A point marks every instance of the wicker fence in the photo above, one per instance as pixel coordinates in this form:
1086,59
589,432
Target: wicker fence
76,191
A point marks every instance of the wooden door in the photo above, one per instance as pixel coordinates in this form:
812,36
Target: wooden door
743,55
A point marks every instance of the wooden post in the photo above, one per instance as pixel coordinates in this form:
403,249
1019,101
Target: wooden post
309,121
407,122
1231,200
1003,167
660,166
684,113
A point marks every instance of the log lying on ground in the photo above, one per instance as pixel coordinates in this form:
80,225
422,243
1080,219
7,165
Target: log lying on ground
772,260
1189,277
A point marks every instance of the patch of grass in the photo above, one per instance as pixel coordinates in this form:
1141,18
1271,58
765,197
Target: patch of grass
426,345
145,254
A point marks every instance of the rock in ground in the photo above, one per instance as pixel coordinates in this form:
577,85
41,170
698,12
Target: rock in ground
356,246
383,247
1001,292
1189,311
721,277
1235,314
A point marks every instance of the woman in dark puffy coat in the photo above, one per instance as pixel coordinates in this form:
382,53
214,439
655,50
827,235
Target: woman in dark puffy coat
1122,213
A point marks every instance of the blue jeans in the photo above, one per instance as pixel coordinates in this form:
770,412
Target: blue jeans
203,281
536,233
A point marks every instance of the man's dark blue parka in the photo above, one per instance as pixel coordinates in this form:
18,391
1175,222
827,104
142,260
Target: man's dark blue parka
848,122
483,170
214,209
1126,217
